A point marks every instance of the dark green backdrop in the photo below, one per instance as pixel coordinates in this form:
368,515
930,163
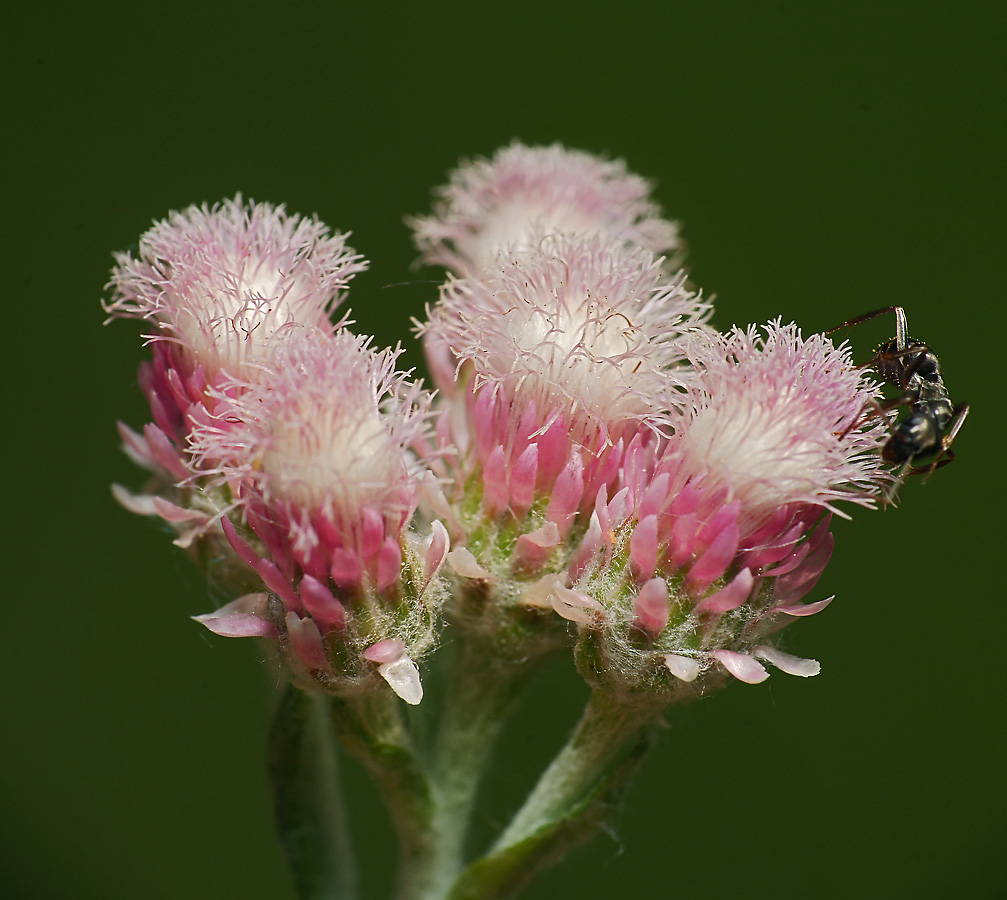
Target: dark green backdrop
825,159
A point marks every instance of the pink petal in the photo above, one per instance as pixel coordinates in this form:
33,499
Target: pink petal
436,552
721,520
643,546
307,642
465,564
389,564
534,548
540,593
684,531
140,504
567,494
794,585
483,420
162,424
589,546
164,452
135,446
682,667
620,509
372,533
741,666
654,497
385,651
238,543
729,597
275,581
785,662
522,480
802,609
345,568
651,606
553,445
757,557
322,604
790,563
687,501
433,494
495,495
243,617
715,560
173,513
276,545
575,606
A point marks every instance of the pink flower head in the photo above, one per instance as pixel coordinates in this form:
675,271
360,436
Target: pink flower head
772,434
777,422
317,450
571,345
508,202
735,512
219,281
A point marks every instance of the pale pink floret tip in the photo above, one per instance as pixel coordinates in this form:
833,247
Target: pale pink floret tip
580,327
775,419
522,193
320,446
219,281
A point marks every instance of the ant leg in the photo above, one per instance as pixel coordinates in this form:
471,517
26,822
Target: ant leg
893,488
866,317
917,354
874,410
948,456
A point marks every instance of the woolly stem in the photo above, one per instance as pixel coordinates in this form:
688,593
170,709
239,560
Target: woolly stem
307,799
574,796
370,727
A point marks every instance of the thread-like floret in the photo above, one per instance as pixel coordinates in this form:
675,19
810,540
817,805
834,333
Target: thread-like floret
509,201
320,442
585,327
219,281
777,420
572,347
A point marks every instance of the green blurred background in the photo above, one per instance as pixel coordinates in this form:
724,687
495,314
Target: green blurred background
824,160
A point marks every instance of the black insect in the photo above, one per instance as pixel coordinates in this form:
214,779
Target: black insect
933,421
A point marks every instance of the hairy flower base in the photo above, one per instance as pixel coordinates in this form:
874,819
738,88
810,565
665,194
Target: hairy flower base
334,640
685,605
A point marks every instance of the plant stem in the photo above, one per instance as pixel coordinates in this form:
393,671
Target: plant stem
577,791
605,729
307,799
370,727
483,688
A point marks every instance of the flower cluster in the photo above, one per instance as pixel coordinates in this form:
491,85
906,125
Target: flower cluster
596,453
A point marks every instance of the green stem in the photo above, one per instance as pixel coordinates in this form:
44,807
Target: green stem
606,728
370,727
483,688
307,799
574,796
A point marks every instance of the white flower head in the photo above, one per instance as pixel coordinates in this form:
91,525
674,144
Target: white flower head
581,327
507,202
220,281
778,419
321,442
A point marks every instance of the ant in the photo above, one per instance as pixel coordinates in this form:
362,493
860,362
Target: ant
933,421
